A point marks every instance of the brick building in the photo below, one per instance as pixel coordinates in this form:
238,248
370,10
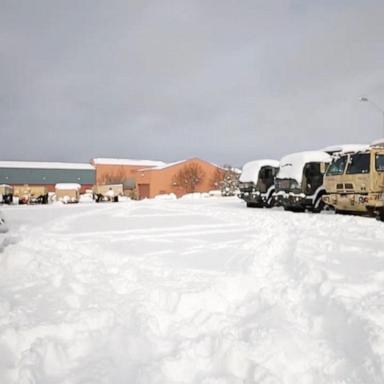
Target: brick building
164,179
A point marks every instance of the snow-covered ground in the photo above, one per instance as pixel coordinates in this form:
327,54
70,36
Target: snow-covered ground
190,291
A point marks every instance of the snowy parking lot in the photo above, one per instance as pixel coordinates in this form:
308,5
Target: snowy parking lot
190,291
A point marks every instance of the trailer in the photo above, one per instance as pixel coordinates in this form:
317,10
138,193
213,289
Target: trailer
6,194
68,192
31,194
110,192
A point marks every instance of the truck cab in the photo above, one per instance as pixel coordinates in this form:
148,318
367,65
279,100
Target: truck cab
299,182
257,183
355,182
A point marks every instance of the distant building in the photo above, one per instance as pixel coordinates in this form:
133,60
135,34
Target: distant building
46,173
166,179
120,171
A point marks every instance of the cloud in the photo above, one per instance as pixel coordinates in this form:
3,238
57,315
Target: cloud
228,81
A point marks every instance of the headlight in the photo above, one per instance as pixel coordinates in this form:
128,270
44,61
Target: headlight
295,185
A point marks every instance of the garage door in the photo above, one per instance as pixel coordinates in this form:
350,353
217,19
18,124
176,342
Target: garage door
143,191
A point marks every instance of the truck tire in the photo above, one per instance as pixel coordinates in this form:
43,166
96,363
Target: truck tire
253,205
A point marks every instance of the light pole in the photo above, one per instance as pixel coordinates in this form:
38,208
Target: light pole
366,100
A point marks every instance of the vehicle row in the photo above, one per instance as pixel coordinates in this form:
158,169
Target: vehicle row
347,178
64,192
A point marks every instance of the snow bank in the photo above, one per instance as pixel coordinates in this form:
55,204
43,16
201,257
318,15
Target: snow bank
251,170
67,186
291,166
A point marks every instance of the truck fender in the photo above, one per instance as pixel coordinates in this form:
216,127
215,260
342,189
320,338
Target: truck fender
319,191
270,191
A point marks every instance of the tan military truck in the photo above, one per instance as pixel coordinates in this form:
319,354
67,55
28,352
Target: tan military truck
68,192
109,192
257,183
299,182
355,182
31,194
6,194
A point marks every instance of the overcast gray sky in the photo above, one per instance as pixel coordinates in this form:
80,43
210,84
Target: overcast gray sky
228,81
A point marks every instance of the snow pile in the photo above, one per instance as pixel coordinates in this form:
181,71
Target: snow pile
166,196
291,166
86,198
378,143
345,148
251,170
195,195
68,186
182,291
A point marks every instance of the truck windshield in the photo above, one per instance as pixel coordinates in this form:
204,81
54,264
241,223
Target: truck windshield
358,163
380,163
337,166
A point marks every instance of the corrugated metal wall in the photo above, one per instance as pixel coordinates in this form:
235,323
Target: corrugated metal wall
46,176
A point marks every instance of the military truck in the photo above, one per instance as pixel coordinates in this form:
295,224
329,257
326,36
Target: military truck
257,183
67,192
6,194
109,192
299,182
31,194
354,182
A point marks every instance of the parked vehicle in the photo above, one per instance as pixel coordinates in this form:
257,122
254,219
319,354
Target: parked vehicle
299,182
107,192
68,192
6,194
257,183
31,194
3,224
355,182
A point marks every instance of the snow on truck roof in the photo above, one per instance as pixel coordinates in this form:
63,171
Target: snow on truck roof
291,166
67,186
251,169
45,165
141,163
378,143
345,148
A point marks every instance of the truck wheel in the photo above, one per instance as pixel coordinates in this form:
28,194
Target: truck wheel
115,199
379,213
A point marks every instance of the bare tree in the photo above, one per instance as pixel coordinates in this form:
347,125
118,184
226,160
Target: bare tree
189,177
116,177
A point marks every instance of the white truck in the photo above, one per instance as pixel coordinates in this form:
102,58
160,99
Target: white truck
257,183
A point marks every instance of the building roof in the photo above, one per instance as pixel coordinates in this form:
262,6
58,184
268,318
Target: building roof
133,162
45,165
169,165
